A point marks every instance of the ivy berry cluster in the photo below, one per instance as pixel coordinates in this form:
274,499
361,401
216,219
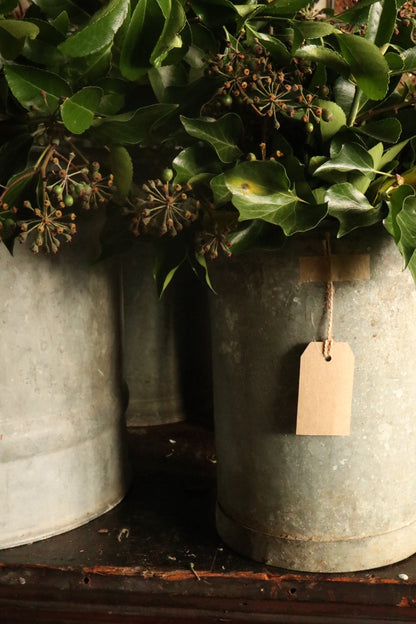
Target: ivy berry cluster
60,185
249,77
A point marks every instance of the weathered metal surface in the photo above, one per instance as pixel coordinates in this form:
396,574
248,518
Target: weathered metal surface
61,422
312,502
96,573
166,344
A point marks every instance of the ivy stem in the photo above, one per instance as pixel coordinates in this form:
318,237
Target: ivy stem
355,106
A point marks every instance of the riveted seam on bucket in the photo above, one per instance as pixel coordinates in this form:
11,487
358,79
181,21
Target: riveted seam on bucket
286,536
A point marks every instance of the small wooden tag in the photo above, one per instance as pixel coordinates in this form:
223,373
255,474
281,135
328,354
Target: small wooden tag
325,390
336,268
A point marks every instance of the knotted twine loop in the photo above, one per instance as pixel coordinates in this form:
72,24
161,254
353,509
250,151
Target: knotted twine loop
330,291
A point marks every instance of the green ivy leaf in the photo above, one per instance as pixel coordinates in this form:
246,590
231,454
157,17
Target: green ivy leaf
36,89
351,157
133,127
257,234
395,204
351,208
372,76
222,194
193,161
223,134
99,32
78,111
260,190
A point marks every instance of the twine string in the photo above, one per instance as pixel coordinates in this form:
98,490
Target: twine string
330,291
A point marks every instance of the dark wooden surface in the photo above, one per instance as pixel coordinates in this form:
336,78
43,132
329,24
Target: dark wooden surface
156,558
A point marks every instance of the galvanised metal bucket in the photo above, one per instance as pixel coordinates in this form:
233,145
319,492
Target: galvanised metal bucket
315,503
167,361
62,453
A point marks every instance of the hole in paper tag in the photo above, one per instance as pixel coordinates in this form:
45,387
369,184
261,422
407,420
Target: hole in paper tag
325,390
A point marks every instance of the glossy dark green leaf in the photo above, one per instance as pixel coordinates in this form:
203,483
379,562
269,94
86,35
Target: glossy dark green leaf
121,166
409,59
395,62
372,76
61,23
284,8
7,6
386,130
324,55
144,29
314,29
222,194
114,95
395,204
16,185
78,111
10,47
19,29
351,208
214,13
351,157
193,161
344,94
381,22
85,70
99,32
133,127
248,236
277,49
406,222
357,14
36,89
175,20
53,8
166,81
329,128
13,154
223,134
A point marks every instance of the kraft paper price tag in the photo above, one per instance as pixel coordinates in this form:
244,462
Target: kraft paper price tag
325,390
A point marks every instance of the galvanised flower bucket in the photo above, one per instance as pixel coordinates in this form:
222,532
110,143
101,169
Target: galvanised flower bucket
167,362
315,503
62,453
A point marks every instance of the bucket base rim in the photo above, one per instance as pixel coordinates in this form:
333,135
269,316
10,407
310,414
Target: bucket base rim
31,539
350,555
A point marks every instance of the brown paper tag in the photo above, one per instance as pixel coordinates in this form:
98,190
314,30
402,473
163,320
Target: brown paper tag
336,268
325,390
